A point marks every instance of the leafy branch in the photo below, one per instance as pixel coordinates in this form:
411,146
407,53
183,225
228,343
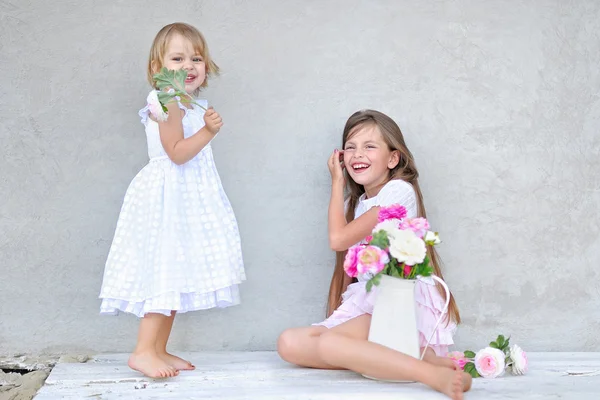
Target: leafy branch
171,84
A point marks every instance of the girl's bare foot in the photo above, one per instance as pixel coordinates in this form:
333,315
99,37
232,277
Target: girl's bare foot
151,365
432,358
176,362
440,361
452,383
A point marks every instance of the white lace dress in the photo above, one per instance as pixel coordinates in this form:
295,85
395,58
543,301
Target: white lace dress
177,244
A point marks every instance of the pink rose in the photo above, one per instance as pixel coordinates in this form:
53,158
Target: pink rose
351,260
407,269
368,239
395,211
371,259
155,108
458,357
489,362
418,225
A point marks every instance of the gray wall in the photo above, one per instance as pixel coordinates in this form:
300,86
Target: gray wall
498,100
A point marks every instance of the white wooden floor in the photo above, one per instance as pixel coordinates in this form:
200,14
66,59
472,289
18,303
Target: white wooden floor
262,375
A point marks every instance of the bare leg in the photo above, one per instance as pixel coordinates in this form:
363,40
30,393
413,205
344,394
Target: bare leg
338,348
346,347
161,346
144,358
300,346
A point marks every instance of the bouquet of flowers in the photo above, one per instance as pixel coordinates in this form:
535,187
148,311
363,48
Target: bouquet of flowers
171,85
397,247
492,361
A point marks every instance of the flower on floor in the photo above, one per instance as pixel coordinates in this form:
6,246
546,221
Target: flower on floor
494,360
519,362
489,362
459,359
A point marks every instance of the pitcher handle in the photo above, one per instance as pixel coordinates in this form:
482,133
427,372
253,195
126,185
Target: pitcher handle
441,316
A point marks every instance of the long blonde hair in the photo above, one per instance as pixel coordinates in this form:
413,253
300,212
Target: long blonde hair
406,170
161,41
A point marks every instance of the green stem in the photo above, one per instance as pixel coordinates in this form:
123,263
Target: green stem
191,101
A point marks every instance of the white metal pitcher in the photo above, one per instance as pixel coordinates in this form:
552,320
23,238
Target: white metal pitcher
394,319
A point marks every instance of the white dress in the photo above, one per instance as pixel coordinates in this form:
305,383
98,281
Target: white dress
177,244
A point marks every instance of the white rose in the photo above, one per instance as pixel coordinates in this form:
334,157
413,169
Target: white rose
155,107
489,362
407,247
390,226
519,360
432,238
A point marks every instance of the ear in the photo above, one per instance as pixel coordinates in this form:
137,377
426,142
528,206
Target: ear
394,159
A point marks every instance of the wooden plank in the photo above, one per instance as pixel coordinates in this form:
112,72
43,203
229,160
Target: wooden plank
262,375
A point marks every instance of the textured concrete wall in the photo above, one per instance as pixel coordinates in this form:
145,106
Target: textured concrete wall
499,102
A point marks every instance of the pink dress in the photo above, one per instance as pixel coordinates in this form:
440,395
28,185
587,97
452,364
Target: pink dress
356,301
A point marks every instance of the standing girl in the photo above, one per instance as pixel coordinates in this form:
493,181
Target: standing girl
176,247
379,171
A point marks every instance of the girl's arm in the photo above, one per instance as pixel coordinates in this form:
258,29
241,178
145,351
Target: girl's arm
179,149
342,235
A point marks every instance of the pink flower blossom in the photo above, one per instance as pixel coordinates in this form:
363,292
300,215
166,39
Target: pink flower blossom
458,357
418,225
395,211
519,360
407,269
351,260
368,239
371,259
155,108
489,362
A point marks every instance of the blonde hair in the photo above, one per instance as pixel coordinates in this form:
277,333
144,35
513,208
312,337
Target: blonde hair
406,170
161,41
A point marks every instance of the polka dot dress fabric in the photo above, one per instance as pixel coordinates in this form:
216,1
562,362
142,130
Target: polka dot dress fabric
177,244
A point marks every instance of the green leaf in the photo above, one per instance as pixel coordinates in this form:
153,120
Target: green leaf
380,239
369,285
471,370
165,98
377,279
500,340
494,345
180,76
469,354
387,270
171,79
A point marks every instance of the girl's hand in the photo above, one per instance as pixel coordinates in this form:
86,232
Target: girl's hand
213,121
336,166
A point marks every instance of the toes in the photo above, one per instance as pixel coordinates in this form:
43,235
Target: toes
457,386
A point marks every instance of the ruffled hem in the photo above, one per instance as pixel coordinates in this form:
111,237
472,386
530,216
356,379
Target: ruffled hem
355,302
429,305
172,301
